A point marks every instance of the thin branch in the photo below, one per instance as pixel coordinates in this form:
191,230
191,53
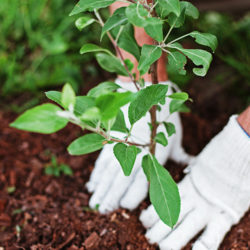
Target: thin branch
144,5
118,51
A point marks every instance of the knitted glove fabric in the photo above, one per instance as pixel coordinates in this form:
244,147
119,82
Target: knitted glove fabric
215,194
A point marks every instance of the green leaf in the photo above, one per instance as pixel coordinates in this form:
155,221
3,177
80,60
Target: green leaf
155,29
144,100
120,124
177,61
103,88
55,96
179,96
117,19
129,64
170,6
205,39
68,96
190,9
90,5
149,54
146,166
83,22
170,128
127,41
126,155
66,170
82,102
177,21
91,114
89,47
199,58
111,64
110,104
178,100
41,119
137,15
161,138
86,144
163,192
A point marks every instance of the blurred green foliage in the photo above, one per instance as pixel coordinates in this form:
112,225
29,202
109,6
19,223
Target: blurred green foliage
233,52
39,45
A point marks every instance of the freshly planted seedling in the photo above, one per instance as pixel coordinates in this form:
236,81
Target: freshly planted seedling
56,169
99,112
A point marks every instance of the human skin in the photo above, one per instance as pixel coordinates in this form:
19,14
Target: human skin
244,120
142,38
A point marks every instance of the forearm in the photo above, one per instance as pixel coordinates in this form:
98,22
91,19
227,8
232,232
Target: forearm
244,120
142,38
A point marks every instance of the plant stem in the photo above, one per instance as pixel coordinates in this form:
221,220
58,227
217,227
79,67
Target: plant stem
177,39
117,49
144,5
154,77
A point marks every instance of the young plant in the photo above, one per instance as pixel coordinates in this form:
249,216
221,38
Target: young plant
55,169
99,112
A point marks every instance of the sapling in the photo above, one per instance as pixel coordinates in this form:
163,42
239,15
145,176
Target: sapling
99,112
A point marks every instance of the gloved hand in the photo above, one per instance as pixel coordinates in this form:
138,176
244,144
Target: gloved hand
214,195
110,187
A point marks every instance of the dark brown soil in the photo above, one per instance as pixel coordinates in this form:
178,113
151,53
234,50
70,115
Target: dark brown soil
45,212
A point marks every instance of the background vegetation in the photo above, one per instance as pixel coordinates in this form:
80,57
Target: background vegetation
39,47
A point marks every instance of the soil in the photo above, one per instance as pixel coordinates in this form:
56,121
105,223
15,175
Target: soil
38,211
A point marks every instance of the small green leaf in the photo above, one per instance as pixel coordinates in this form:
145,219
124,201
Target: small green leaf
190,9
163,191
55,96
170,128
144,100
83,22
89,47
146,166
91,114
205,39
178,100
90,5
129,64
127,41
179,96
177,61
161,138
170,6
199,58
155,29
117,19
111,64
11,189
137,15
86,144
68,96
41,119
126,155
66,169
120,124
149,54
103,88
110,104
82,102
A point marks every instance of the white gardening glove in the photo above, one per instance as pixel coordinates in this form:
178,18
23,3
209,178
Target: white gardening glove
110,187
214,195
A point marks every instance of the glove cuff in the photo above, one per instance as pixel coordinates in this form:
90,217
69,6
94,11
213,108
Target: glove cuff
221,173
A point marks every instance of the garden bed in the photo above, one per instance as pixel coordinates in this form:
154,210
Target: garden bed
38,211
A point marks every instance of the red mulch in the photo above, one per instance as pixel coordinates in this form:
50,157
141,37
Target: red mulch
47,212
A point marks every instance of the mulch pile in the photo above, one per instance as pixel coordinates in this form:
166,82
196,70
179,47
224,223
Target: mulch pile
38,211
